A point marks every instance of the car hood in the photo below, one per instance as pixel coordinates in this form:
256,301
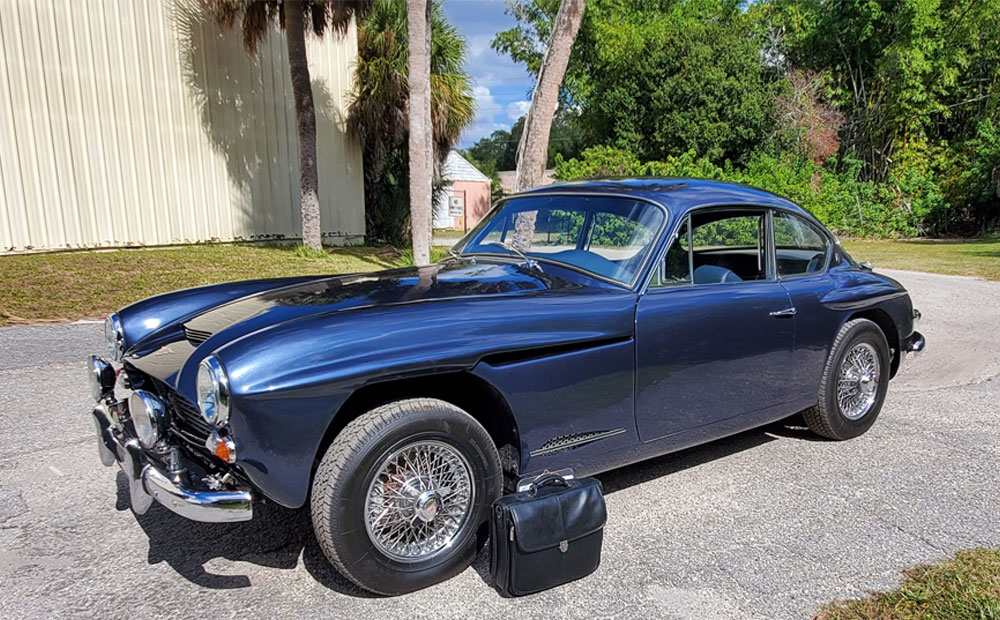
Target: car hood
179,343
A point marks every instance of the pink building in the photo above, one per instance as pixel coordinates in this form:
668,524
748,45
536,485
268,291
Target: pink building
466,197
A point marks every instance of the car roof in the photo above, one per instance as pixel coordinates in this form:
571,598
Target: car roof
679,195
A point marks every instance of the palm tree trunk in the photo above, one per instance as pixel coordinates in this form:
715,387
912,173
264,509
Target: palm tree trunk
418,18
305,120
533,149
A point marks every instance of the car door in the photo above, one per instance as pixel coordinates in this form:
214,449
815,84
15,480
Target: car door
714,327
802,255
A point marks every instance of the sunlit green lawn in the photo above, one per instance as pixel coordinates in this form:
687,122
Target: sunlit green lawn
977,257
966,586
75,285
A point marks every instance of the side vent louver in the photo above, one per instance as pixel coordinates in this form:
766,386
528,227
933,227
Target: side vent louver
196,336
563,443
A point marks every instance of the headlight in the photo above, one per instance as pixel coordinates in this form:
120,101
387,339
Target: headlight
102,377
149,416
114,337
213,391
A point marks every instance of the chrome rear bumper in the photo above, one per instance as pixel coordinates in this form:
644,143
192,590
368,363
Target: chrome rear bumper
147,482
915,343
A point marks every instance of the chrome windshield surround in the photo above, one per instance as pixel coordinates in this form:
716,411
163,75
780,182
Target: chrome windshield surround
654,245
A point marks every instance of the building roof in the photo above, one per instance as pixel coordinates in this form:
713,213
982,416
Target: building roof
678,195
458,168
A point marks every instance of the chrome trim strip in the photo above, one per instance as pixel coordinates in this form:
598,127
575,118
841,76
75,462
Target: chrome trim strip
576,444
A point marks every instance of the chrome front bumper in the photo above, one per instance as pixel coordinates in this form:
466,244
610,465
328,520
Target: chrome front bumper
147,483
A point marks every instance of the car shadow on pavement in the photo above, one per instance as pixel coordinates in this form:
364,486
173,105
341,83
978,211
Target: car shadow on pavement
276,537
638,473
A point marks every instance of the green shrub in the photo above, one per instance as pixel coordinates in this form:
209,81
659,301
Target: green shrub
848,206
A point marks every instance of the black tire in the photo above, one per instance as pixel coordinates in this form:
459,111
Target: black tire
350,464
826,418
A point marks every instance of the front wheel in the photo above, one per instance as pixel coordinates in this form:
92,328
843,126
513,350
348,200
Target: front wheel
854,382
401,494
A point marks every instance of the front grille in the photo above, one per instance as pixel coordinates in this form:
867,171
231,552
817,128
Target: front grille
196,336
186,422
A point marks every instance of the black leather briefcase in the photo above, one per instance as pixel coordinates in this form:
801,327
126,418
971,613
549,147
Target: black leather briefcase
547,535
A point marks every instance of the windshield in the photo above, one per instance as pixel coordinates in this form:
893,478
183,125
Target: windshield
605,235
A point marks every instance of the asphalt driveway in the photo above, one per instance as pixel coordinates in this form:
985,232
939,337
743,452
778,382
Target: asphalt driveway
770,523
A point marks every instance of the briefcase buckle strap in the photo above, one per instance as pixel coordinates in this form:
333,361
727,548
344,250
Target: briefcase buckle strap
563,545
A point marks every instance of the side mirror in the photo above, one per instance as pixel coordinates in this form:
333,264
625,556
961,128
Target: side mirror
866,265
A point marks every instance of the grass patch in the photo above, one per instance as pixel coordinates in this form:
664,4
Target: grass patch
966,586
977,257
76,285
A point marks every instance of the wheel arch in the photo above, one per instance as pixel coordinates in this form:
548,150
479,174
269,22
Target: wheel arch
472,394
888,326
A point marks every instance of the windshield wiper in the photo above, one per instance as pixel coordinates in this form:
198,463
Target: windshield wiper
460,257
528,261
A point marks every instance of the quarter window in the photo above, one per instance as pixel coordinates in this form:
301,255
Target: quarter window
799,247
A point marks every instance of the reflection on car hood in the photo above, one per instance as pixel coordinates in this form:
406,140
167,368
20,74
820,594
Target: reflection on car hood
449,280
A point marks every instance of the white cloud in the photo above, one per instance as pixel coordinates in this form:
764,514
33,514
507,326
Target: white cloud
517,109
486,110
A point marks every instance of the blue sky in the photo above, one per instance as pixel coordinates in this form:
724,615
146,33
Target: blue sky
501,86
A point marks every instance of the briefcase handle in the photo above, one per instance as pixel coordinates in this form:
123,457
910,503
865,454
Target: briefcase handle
545,479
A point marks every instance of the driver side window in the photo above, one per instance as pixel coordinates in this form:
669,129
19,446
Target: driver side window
717,246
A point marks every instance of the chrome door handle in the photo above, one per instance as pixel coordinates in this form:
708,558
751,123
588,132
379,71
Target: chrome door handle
786,312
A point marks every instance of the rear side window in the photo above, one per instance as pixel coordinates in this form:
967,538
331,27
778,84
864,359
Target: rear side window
800,248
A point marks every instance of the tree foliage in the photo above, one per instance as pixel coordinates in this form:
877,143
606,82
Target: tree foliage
377,112
882,115
498,151
660,77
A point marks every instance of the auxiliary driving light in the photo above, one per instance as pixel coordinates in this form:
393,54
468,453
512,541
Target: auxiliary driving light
102,377
222,447
149,416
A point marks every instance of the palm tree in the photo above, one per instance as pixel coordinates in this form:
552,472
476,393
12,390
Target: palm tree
377,115
532,150
296,17
418,21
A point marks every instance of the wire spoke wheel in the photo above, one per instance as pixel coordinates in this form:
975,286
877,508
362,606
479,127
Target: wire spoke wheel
857,384
419,500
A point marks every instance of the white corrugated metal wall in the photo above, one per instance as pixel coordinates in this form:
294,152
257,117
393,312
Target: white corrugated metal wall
140,122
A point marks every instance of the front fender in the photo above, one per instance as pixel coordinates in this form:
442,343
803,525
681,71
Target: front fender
289,381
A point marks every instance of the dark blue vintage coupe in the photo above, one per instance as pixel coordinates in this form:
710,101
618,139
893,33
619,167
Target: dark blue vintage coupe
578,328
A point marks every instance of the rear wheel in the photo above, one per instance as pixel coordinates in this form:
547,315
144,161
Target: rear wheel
854,382
401,494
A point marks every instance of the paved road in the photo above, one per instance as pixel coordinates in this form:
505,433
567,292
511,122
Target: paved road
767,524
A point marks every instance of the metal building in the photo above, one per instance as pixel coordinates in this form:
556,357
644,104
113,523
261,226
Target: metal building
142,123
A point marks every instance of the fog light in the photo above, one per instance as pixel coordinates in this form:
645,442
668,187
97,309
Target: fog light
222,447
102,377
149,416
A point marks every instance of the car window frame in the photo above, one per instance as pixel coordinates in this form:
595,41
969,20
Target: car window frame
818,230
641,274
770,267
